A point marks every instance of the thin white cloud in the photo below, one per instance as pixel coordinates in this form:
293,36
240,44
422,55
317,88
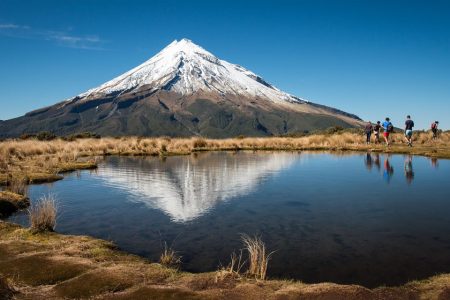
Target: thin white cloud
60,38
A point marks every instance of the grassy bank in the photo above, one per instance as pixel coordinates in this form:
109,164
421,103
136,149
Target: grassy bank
45,265
40,161
53,266
11,202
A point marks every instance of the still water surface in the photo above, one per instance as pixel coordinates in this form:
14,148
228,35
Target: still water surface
358,218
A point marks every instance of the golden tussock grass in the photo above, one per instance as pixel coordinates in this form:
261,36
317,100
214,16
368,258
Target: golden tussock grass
233,270
258,258
43,214
17,185
169,257
29,157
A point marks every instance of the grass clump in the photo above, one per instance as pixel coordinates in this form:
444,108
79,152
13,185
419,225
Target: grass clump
43,213
199,143
258,256
233,270
169,257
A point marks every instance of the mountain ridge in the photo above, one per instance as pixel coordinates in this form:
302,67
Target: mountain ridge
183,90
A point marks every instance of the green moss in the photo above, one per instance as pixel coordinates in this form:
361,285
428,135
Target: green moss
38,270
92,284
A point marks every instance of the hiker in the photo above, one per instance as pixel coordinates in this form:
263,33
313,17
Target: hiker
376,132
409,124
368,130
388,129
434,129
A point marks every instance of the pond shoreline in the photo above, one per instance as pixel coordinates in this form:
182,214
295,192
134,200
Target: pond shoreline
66,266
38,167
90,259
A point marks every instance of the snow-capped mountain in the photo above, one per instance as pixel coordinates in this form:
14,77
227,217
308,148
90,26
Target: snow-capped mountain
183,90
186,68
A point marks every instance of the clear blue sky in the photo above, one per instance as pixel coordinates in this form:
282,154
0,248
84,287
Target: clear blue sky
371,58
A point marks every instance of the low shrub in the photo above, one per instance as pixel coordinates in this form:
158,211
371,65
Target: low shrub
45,136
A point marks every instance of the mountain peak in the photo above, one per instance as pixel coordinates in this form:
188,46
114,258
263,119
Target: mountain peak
183,90
184,45
186,68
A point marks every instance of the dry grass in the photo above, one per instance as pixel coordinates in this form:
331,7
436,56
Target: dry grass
17,185
36,261
258,256
43,214
169,257
25,158
233,270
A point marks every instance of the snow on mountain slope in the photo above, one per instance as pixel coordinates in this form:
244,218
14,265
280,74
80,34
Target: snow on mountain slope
185,68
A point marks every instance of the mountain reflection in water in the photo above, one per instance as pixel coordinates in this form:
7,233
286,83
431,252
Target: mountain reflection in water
187,188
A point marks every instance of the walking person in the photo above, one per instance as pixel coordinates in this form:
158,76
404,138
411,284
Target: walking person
376,132
409,125
388,129
434,129
368,130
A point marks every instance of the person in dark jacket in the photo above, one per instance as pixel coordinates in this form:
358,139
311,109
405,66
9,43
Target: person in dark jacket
368,130
434,129
376,132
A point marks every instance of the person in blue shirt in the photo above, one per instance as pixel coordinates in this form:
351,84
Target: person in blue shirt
409,125
388,129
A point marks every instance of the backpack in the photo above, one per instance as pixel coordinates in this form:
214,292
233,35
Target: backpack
390,128
433,126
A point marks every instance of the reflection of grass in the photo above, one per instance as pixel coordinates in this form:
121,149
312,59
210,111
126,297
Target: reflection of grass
42,214
39,161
